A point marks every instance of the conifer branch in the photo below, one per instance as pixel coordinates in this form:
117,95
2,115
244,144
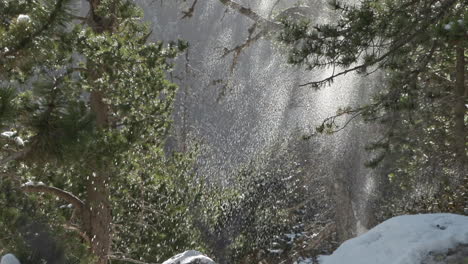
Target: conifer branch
47,25
67,196
395,48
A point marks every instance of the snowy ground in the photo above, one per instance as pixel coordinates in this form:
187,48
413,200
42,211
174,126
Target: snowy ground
407,239
404,239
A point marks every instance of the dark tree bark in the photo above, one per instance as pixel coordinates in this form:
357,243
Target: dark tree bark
460,110
97,217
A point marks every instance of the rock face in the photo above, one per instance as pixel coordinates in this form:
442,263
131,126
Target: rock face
188,257
9,259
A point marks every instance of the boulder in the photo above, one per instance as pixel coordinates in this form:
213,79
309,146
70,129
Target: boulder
9,259
189,257
408,239
457,255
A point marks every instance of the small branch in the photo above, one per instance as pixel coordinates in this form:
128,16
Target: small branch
145,37
189,12
67,196
330,79
46,26
79,231
395,48
130,260
79,69
79,18
239,48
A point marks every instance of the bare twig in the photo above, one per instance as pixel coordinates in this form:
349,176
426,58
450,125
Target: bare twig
239,48
189,12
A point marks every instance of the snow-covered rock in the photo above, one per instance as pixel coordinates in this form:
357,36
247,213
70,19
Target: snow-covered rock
407,239
458,255
9,259
189,257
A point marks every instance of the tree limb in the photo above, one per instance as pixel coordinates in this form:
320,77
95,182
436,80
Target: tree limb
28,39
79,231
67,196
189,12
393,49
239,48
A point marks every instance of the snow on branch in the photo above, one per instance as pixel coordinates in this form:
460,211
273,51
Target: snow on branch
58,8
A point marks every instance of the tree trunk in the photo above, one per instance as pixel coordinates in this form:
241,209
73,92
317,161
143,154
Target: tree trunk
344,214
459,109
97,217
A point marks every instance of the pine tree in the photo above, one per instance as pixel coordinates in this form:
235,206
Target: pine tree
421,48
85,110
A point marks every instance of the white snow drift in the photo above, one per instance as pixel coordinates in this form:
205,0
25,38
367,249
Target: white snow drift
9,259
404,239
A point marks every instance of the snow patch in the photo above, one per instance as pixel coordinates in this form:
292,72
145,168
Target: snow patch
12,135
406,239
19,141
8,134
23,19
9,259
28,183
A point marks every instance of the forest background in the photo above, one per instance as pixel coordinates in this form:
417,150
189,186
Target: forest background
89,173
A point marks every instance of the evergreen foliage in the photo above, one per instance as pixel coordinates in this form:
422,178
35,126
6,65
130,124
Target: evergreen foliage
89,102
243,221
420,46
